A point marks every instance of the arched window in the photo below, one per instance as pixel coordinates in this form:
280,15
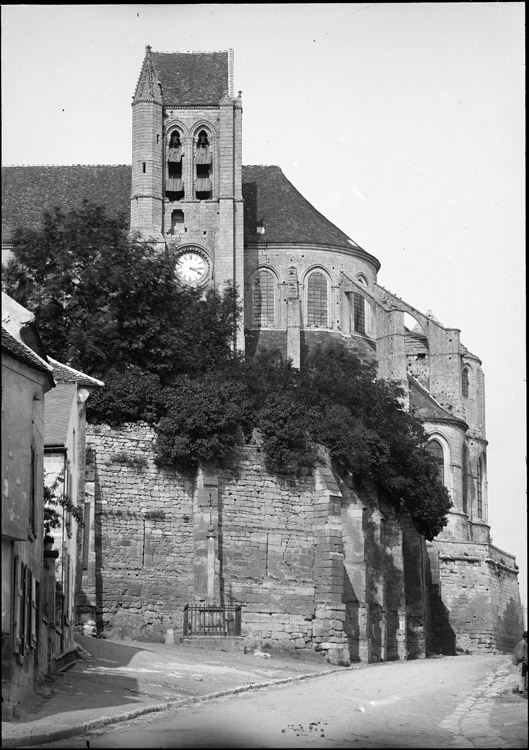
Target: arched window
203,167
464,381
263,299
436,449
317,299
479,487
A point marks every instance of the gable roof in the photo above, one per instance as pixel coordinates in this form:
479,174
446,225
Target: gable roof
268,196
28,191
66,374
22,352
192,78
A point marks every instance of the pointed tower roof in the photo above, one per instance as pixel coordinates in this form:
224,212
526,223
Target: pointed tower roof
194,78
148,86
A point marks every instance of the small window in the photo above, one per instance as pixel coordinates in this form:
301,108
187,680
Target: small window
464,382
436,449
177,218
317,300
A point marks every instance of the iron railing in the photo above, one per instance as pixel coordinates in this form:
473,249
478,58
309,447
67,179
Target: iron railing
202,619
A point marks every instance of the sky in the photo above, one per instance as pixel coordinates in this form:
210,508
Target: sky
402,123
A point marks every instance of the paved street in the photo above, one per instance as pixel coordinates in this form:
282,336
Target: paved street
460,702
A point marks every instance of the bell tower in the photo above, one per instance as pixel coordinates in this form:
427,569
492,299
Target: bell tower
187,166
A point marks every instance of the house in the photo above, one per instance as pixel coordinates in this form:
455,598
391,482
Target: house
27,376
64,470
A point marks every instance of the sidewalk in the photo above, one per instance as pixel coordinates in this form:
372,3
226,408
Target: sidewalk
116,681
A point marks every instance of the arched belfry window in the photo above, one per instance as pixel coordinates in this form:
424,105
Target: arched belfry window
203,164
436,449
465,381
263,299
174,185
317,294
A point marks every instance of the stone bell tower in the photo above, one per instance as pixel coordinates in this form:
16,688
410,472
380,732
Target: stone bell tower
187,165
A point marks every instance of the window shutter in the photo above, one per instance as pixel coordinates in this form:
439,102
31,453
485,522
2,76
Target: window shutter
34,611
17,605
27,582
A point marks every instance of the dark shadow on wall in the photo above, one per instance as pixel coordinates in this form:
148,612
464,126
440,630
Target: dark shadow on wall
98,548
443,637
352,618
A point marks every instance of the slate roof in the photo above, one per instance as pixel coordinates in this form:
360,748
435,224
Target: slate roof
192,78
28,191
23,353
288,217
268,195
66,374
57,411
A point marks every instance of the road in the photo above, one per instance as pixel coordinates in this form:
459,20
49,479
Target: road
434,703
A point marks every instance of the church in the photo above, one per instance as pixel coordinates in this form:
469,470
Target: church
241,552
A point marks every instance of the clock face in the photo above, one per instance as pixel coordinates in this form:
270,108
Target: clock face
191,267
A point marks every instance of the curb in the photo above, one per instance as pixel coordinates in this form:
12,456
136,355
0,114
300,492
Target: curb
43,737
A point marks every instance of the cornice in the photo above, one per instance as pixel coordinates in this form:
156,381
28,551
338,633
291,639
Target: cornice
352,251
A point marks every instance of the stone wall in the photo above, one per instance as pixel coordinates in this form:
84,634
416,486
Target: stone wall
478,586
311,564
143,537
279,550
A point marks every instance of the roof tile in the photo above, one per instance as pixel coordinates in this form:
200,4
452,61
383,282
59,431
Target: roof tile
192,77
22,352
57,411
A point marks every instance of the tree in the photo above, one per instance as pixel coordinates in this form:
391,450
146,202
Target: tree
108,305
107,302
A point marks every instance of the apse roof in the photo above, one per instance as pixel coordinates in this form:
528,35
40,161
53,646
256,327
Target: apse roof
269,197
